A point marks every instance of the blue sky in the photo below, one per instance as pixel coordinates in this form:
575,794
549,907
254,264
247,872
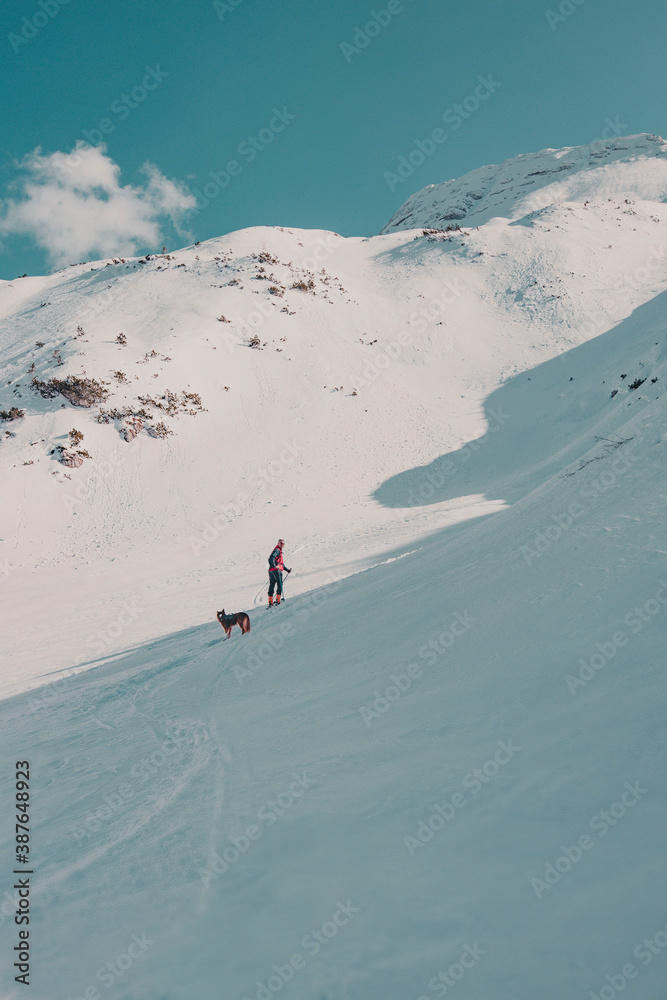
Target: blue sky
208,84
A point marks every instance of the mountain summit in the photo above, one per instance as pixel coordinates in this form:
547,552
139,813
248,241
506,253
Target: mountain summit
634,165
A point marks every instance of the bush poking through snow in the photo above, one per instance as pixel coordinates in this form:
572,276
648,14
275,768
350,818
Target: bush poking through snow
121,339
159,430
76,389
172,404
13,414
267,258
153,354
75,437
106,416
442,234
304,286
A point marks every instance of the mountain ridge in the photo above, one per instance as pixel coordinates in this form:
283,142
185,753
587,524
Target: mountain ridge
559,175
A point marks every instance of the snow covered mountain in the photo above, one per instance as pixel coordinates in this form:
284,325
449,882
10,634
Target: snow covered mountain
374,357
442,759
633,166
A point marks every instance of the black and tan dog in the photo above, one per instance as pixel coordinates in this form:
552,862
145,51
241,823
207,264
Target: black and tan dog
228,621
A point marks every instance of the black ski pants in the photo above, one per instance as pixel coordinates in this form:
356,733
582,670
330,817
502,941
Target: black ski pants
275,581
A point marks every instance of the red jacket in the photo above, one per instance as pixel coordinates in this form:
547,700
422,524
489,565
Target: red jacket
276,559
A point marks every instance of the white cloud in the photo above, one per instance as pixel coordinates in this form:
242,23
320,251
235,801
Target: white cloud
74,206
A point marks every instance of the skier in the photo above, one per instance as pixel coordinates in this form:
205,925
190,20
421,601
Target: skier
276,567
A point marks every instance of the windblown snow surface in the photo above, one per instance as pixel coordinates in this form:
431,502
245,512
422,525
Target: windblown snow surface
438,769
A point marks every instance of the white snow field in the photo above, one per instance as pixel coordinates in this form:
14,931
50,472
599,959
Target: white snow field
438,769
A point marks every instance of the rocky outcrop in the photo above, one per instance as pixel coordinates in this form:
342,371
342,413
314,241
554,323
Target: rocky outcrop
133,426
72,459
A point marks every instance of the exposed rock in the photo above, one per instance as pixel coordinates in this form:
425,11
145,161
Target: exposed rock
71,459
132,428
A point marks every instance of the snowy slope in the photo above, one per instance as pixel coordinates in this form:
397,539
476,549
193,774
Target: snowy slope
422,328
438,767
221,801
632,166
